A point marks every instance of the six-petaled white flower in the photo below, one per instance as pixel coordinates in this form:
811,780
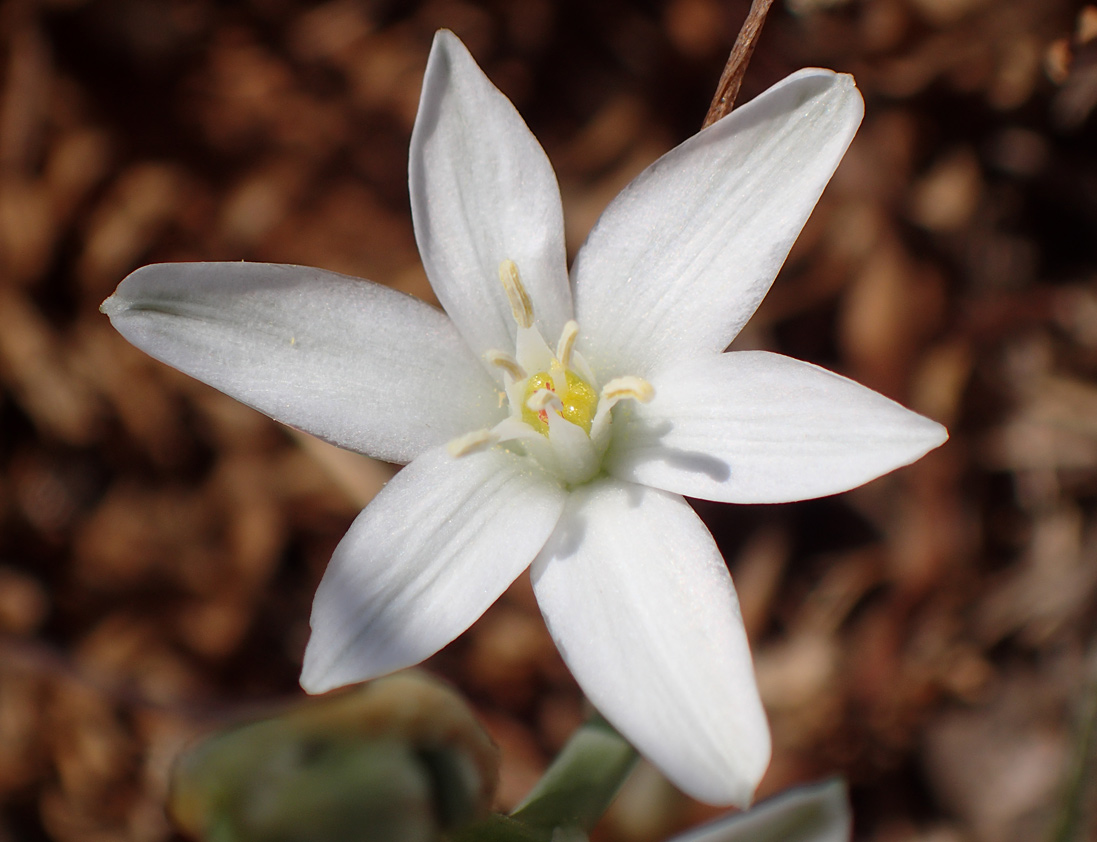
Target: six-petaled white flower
557,423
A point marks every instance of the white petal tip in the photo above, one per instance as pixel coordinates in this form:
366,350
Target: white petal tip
735,785
840,88
941,434
313,686
927,435
321,672
319,677
119,302
446,37
940,439
145,288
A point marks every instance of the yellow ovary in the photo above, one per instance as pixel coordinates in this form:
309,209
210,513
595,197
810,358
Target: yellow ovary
579,401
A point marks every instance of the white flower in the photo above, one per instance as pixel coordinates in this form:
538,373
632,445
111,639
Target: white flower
569,457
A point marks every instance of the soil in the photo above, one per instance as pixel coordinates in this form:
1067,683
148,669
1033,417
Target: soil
930,636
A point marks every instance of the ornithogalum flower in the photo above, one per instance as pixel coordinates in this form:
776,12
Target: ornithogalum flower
555,424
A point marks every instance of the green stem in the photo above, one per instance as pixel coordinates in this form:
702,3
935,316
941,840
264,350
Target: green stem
500,828
573,793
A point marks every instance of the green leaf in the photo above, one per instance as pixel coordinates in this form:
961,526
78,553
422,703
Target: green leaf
817,813
580,784
402,759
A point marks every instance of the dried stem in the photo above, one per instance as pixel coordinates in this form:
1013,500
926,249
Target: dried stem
732,77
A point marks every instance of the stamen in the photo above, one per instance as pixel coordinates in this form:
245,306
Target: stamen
544,399
471,442
622,388
520,304
506,362
567,342
618,389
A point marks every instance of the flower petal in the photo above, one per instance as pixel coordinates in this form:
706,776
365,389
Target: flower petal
643,611
817,813
433,550
756,427
691,246
483,191
363,366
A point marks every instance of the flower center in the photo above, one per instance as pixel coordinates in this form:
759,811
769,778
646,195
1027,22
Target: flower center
578,401
557,415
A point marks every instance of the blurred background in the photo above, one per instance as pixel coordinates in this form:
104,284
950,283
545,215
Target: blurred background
930,636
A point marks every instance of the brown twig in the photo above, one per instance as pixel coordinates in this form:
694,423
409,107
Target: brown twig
732,77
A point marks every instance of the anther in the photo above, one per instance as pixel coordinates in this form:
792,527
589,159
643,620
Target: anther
520,304
471,442
618,389
627,388
506,362
567,342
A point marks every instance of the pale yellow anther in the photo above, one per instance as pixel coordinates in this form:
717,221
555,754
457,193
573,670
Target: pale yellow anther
520,304
567,342
506,362
471,442
628,388
544,399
